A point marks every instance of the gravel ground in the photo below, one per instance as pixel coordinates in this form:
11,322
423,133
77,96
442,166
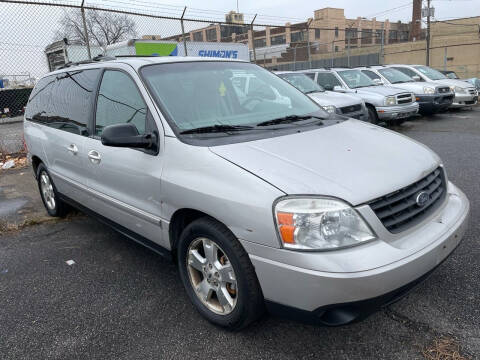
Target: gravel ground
120,300
11,137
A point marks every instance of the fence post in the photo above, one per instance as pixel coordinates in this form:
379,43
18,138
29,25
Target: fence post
333,51
253,40
308,44
382,45
348,49
87,40
183,32
445,59
295,57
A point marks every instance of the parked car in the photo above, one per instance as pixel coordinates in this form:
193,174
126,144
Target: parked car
431,97
465,94
475,82
342,104
389,104
449,74
272,204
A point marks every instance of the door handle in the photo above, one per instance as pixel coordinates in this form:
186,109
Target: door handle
73,149
94,157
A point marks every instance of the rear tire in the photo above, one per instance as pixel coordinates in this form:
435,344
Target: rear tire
48,192
211,261
372,115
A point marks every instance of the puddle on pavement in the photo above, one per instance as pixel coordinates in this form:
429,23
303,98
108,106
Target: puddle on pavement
11,206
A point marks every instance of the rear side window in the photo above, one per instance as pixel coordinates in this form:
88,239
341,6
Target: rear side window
119,101
371,74
64,101
408,72
328,80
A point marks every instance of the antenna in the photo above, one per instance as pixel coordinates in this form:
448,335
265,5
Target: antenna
237,7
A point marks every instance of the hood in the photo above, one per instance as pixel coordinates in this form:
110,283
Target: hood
414,87
338,100
352,160
380,90
453,82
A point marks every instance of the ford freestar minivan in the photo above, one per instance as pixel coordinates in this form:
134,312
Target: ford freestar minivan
259,201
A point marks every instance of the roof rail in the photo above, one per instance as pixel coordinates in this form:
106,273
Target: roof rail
95,59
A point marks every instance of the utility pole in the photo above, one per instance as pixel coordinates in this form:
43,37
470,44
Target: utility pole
428,33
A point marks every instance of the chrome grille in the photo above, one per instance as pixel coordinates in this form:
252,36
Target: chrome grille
472,91
443,90
351,109
404,99
399,210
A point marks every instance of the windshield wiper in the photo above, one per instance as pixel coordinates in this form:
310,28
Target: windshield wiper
288,119
216,128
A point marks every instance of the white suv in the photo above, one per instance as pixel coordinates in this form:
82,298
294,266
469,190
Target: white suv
465,93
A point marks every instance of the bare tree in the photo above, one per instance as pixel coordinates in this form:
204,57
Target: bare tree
103,28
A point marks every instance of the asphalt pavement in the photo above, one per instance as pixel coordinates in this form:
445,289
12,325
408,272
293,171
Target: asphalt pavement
121,301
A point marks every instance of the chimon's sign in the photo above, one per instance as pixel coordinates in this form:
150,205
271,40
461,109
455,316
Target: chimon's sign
227,54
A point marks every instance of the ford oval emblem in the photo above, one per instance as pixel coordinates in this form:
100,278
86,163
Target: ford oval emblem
422,198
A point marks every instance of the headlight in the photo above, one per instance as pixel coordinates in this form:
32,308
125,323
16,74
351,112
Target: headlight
330,109
460,90
390,100
428,90
452,88
319,224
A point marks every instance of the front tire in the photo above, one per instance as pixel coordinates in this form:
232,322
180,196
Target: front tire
372,115
218,275
48,192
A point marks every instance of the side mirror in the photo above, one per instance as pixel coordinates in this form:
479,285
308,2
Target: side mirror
126,135
416,78
338,88
378,81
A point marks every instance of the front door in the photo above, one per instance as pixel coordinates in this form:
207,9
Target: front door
125,182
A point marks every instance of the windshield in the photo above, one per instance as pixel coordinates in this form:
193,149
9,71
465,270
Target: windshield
430,73
395,76
302,82
355,79
210,93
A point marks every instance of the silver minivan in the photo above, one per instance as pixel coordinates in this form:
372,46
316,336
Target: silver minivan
261,203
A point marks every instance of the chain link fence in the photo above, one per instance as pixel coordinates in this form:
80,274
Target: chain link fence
40,36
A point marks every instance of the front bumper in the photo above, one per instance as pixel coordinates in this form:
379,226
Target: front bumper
464,100
387,113
435,102
315,282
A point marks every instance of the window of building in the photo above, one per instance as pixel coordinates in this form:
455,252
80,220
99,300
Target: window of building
258,43
198,36
211,34
297,36
403,35
336,31
366,36
119,101
278,39
393,36
352,34
378,36
317,33
336,48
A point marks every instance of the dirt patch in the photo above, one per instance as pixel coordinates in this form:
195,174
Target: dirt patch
444,349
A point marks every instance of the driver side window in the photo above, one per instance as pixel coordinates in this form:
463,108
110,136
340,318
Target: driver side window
408,72
328,81
119,101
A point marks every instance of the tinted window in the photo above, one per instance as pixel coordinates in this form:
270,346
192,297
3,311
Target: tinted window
371,74
64,101
40,100
119,101
328,80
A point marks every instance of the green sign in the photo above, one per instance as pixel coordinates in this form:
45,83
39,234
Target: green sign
155,48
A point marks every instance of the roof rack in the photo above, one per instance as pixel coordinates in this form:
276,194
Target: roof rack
95,59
